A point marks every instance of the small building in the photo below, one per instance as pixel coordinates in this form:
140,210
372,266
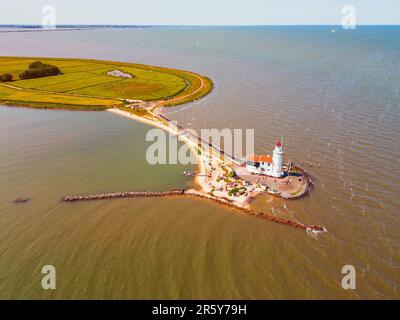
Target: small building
119,73
265,164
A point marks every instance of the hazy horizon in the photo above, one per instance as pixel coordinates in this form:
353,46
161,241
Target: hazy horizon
197,25
223,12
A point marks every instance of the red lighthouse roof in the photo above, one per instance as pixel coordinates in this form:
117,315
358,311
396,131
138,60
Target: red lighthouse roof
278,143
259,158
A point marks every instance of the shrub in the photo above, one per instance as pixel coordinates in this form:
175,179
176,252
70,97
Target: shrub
6,77
236,190
231,174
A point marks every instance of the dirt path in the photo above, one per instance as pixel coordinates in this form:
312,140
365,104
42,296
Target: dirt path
202,84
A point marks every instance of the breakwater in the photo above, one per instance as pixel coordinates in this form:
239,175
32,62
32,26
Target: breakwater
117,195
196,194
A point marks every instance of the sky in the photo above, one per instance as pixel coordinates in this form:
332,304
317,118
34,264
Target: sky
200,12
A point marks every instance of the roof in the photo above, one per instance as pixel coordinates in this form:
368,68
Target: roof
259,158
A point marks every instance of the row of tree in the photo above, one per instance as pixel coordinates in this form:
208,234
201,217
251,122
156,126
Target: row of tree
39,69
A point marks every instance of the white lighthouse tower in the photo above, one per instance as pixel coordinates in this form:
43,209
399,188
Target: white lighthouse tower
277,160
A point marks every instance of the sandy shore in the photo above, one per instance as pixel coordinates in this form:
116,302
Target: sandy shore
218,180
217,176
214,174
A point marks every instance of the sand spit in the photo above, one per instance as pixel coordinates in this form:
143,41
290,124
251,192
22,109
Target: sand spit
217,177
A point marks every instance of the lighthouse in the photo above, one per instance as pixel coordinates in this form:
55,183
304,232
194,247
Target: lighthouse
265,164
277,160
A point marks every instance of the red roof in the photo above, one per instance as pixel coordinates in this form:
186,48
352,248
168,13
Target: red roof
259,158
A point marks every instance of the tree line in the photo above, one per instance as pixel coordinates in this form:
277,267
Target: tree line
38,69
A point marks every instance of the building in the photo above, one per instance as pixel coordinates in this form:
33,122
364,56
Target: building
265,164
119,73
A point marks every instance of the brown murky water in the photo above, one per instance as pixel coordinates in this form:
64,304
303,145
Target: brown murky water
335,99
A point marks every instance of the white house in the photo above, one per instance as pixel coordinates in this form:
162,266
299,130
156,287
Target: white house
265,164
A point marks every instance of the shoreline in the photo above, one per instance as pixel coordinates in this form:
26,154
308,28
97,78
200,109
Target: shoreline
220,177
168,129
196,87
207,186
202,160
241,203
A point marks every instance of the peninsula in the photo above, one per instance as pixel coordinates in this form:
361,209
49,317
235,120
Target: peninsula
92,85
139,91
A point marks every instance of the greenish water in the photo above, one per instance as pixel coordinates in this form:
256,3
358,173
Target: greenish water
334,96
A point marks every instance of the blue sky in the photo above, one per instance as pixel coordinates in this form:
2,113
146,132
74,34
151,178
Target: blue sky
200,12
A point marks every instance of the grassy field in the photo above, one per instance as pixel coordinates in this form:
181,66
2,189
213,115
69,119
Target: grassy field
45,100
86,84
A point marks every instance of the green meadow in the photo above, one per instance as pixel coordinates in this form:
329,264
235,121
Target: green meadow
46,100
85,84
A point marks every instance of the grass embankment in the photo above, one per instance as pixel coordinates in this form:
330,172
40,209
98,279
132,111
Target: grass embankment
47,100
85,84
198,87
